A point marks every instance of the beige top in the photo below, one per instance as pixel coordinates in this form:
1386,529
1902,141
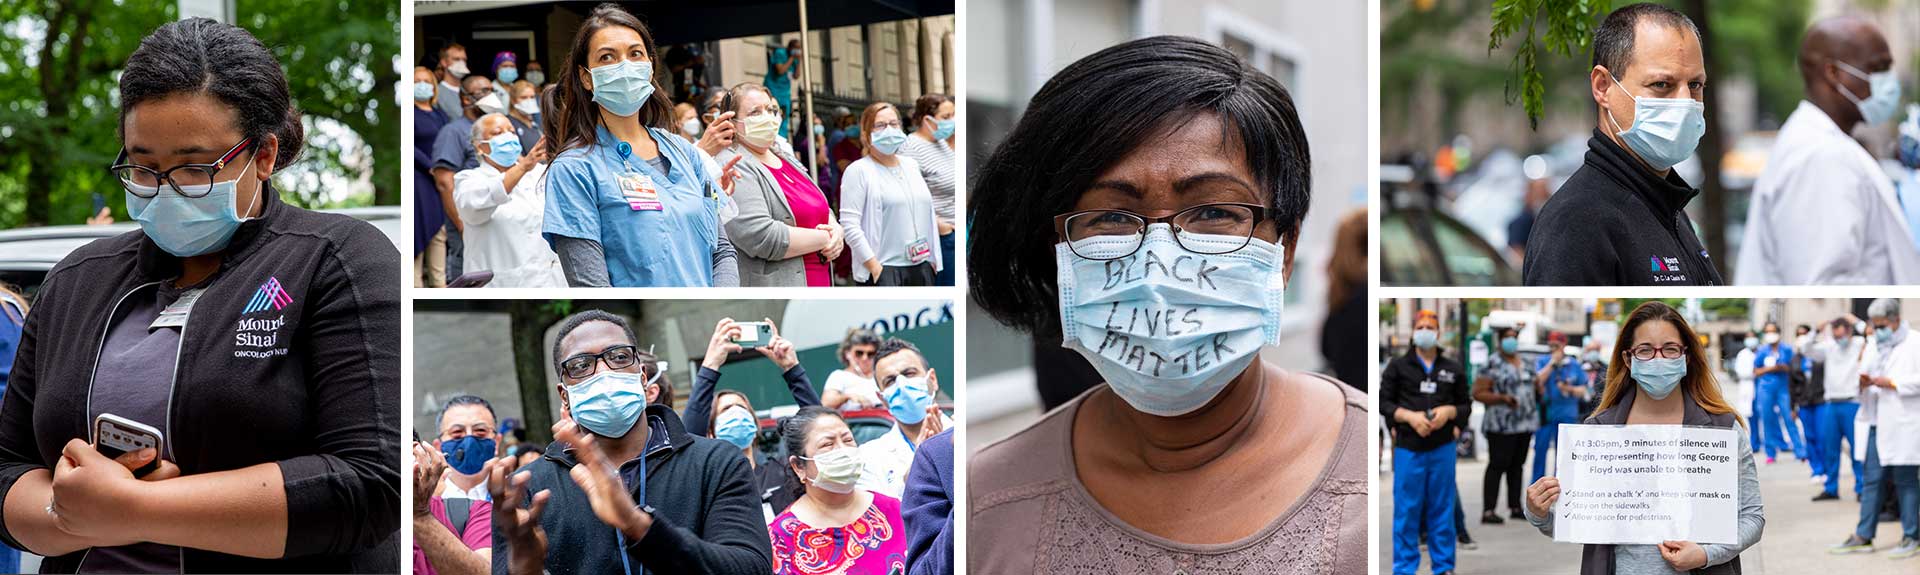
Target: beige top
1031,514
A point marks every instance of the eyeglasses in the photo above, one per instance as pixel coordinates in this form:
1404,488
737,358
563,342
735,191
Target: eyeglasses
190,180
861,353
1644,352
878,126
1232,219
616,357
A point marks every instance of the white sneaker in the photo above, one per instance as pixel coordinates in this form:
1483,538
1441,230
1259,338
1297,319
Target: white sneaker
1818,479
1906,548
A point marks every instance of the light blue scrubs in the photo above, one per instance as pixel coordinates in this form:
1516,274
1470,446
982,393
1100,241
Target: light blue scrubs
669,247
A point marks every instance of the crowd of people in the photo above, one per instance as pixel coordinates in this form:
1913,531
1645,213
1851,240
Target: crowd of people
629,483
617,176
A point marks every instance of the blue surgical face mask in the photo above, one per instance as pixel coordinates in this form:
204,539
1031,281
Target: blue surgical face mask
1168,328
853,131
1881,102
1658,377
623,87
504,149
1882,334
536,77
423,90
942,129
186,226
736,426
888,141
609,403
1426,338
1509,346
508,75
1665,130
1751,343
467,455
907,399
819,130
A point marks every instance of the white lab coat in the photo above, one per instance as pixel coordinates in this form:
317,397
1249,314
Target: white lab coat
1824,212
503,229
1896,412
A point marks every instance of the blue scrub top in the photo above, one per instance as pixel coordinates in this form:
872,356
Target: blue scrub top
1562,408
1783,355
670,247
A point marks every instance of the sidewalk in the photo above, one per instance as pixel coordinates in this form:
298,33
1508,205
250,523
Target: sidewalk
1795,541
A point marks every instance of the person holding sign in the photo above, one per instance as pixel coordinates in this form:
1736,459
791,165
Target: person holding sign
1673,385
1425,394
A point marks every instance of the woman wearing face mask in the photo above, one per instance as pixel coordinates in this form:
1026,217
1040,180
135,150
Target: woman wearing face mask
686,122
525,113
628,202
931,146
1215,149
1671,384
785,234
887,210
429,211
834,527
228,310
1507,388
728,416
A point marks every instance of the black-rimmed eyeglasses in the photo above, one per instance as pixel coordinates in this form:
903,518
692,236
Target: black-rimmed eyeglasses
616,357
1228,219
190,180
1645,352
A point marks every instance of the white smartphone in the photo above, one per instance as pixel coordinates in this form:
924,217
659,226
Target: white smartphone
754,334
114,436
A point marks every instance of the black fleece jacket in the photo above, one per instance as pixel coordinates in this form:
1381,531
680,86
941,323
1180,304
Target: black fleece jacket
706,515
1616,223
1405,383
313,385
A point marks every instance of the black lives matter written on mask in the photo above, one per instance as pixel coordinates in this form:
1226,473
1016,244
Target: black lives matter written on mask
1129,322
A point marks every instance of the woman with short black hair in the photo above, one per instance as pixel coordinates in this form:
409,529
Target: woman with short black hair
1144,212
258,339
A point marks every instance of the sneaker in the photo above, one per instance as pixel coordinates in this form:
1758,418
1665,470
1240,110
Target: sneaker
1826,495
1465,541
1818,479
1907,548
1491,518
1769,461
1854,544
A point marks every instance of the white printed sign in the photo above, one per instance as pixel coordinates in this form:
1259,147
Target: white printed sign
1644,484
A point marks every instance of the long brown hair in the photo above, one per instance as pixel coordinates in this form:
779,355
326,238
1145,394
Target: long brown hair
577,115
1698,383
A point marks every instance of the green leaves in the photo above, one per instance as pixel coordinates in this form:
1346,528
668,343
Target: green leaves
1568,32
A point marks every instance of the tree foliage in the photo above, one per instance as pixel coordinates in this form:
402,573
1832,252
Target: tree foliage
1568,31
59,99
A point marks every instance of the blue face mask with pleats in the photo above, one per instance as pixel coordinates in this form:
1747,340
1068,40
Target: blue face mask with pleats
185,226
1658,377
736,426
1665,130
623,87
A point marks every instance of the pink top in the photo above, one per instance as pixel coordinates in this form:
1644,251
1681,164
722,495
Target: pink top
809,209
479,533
1031,514
874,545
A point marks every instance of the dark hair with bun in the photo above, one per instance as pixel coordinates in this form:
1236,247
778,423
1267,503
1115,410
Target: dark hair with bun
198,55
793,437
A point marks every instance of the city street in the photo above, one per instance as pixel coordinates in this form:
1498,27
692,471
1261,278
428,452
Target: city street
1795,542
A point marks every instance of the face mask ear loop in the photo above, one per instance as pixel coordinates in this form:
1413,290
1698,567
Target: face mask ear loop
257,191
1623,89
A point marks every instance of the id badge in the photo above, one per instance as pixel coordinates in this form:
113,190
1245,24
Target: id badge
639,191
1428,387
176,315
1771,360
919,250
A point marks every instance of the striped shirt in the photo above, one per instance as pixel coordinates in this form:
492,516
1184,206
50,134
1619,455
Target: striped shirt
936,166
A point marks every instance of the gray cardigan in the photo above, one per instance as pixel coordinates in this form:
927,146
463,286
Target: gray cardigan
760,231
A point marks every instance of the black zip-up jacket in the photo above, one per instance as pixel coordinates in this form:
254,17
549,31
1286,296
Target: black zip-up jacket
1616,223
706,514
313,385
1401,386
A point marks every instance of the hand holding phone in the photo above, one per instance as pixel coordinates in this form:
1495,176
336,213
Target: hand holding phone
114,436
754,334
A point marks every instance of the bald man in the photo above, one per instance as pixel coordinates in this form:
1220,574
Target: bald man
1621,218
503,202
1824,212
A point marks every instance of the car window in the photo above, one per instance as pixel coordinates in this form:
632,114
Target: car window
1471,260
1403,261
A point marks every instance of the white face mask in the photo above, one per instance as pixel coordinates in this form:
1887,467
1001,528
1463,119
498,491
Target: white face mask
527,107
760,130
491,104
837,470
1883,100
458,69
691,126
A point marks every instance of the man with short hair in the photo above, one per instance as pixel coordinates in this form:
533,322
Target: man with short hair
624,488
1563,383
1773,399
1621,218
909,387
1890,382
453,524
1839,351
453,151
452,69
1817,173
504,200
